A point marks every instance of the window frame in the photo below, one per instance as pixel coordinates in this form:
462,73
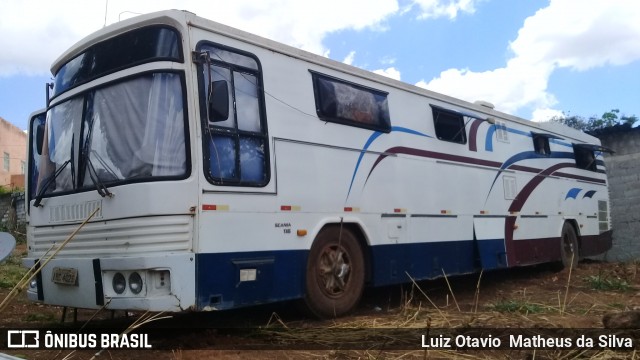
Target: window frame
84,95
381,124
85,75
460,123
580,152
235,133
541,145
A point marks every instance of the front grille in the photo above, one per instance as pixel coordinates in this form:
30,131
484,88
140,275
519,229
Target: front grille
117,237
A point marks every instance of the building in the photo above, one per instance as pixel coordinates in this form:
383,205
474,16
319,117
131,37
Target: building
13,155
623,170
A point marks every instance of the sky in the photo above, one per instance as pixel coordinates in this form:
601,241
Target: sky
535,59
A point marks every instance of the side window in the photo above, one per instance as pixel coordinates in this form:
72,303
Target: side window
5,164
449,125
502,134
585,158
233,117
541,144
36,137
350,104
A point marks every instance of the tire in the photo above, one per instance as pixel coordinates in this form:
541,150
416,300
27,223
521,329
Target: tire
335,273
569,247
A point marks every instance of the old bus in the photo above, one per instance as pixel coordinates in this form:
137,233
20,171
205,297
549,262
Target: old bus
224,170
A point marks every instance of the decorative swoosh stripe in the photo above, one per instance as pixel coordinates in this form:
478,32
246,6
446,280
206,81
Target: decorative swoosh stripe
370,141
573,193
473,134
526,191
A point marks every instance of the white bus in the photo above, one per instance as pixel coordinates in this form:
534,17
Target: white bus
229,170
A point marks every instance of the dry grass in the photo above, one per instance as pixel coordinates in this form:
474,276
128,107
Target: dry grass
419,313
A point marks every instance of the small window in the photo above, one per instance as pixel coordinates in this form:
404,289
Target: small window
541,144
449,125
6,163
585,158
502,134
23,167
350,104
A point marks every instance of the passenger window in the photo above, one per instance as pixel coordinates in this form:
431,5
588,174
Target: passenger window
585,158
449,125
235,146
541,144
350,104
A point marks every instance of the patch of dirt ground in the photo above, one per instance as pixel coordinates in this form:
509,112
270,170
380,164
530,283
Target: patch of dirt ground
529,299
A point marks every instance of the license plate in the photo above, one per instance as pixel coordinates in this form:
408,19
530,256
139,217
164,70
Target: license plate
65,276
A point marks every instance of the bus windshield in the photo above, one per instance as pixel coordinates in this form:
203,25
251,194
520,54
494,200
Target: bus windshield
133,130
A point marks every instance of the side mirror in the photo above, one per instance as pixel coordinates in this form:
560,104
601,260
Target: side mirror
218,102
39,138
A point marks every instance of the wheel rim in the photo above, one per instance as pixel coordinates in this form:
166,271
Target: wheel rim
334,268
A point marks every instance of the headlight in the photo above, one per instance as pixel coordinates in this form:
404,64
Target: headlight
135,283
33,284
119,283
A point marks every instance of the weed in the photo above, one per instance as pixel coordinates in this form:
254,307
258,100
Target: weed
617,306
513,306
607,283
11,271
39,317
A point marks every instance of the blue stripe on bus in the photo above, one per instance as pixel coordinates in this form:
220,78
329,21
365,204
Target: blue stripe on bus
280,275
399,263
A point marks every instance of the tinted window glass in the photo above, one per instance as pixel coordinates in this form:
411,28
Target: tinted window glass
350,104
133,48
449,125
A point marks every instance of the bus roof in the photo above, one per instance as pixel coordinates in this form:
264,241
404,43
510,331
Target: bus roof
182,19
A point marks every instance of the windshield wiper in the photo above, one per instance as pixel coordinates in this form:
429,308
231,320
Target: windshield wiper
53,177
93,174
48,182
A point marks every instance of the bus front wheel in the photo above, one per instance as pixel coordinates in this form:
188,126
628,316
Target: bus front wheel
335,273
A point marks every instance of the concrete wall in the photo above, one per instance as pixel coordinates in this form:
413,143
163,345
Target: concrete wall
623,170
12,210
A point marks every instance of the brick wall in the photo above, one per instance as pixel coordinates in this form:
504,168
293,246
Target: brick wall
623,170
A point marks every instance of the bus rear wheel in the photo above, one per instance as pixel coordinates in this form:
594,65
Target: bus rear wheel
335,273
569,247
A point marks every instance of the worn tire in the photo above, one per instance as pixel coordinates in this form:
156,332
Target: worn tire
335,273
569,247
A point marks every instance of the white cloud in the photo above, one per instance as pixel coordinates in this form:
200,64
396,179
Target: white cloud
390,72
388,60
581,34
350,57
574,34
542,115
31,44
443,8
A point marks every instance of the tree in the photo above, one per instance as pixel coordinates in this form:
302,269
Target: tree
608,119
